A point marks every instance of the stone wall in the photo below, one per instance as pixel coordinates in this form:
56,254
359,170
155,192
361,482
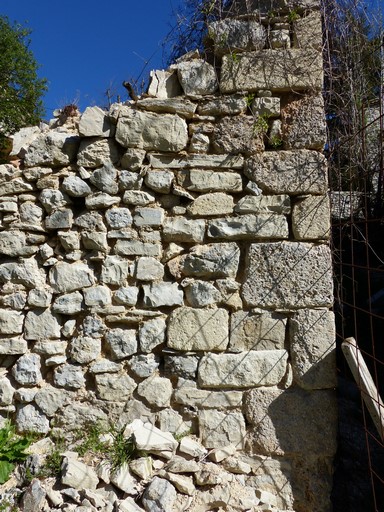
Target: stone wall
168,261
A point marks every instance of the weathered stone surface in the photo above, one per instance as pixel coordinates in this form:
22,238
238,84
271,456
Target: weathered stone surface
126,295
95,152
280,204
144,365
182,366
118,218
22,138
288,275
121,342
262,330
276,71
308,31
84,349
160,161
266,106
237,134
53,199
50,347
49,399
211,204
219,429
211,261
180,229
95,241
97,296
162,294
230,105
12,243
204,399
94,122
148,217
201,293
100,200
11,322
41,324
52,148
59,219
197,77
148,269
25,272
297,422
75,186
233,35
313,349
138,198
150,439
263,225
69,376
12,346
289,172
202,329
132,159
114,387
78,475
152,334
114,270
30,419
145,130
267,6
303,123
164,84
105,178
157,391
6,391
159,181
180,106
253,368
33,498
67,277
311,218
198,180
91,221
137,248
159,496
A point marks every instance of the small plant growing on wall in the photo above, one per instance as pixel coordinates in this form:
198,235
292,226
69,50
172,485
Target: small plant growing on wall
12,450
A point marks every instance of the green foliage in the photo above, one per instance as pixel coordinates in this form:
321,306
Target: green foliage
275,142
249,98
122,450
293,16
90,442
12,450
261,125
20,87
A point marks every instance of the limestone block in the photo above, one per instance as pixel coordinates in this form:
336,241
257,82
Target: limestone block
53,199
267,6
100,200
68,376
285,70
40,324
180,229
94,152
148,269
6,392
94,122
219,429
266,106
16,300
27,370
15,186
11,322
50,399
280,38
13,346
118,218
229,291
152,334
50,347
308,32
164,84
199,143
159,495
114,270
232,35
90,221
25,272
150,439
148,217
84,349
211,261
192,447
180,106
313,348
130,180
160,161
157,391
238,134
30,419
138,198
263,225
252,368
137,248
22,138
104,178
122,478
182,366
52,148
12,243
162,294
132,159
292,421
121,343
67,277
288,275
211,204
97,296
201,293
95,241
78,475
59,219
126,295
159,181
226,105
303,123
68,304
144,365
104,366
311,218
75,186
198,329
197,77
198,180
263,330
149,131
289,172
204,399
171,421
114,387
280,204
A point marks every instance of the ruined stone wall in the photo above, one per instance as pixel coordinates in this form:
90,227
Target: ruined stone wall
168,261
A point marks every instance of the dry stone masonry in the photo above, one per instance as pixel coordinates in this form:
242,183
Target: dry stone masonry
165,268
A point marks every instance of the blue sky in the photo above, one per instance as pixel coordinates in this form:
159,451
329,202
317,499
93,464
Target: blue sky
86,46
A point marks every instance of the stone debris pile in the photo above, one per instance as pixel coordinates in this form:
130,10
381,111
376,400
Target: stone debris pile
167,261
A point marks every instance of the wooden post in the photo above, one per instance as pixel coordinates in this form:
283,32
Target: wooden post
365,383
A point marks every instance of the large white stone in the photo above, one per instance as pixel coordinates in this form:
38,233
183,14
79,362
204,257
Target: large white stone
179,229
27,370
94,122
311,218
95,152
162,294
150,439
78,475
152,334
52,148
114,270
263,225
260,330
160,161
114,387
197,77
84,349
30,419
121,342
211,204
67,277
218,429
41,324
148,269
157,391
233,35
11,322
198,180
211,261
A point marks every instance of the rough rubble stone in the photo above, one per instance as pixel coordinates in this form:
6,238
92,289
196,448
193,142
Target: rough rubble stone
308,31
122,478
311,218
180,106
6,391
159,496
313,349
78,475
90,221
257,330
157,391
181,366
126,295
114,270
68,304
201,293
211,261
237,134
219,429
230,105
148,217
233,35
263,225
164,84
121,342
94,152
162,294
52,148
265,106
49,399
137,248
180,229
27,370
152,334
198,180
197,77
114,387
159,181
13,243
67,277
69,376
94,122
97,296
59,219
288,275
138,198
204,399
40,324
280,204
105,178
149,131
11,322
13,346
84,349
148,269
33,498
208,205
252,368
150,439
132,159
30,419
198,329
53,199
75,186
161,161
144,365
